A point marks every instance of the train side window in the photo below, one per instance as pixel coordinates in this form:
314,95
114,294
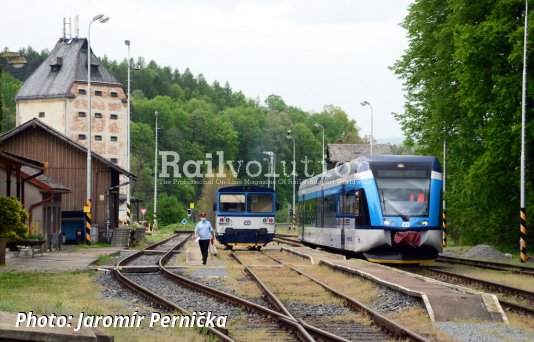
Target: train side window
330,211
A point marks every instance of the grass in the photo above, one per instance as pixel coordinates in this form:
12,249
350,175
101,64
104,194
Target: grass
74,292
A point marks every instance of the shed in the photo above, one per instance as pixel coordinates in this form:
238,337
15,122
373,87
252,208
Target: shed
67,161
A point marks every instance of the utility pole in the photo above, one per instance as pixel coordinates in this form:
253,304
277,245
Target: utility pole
156,176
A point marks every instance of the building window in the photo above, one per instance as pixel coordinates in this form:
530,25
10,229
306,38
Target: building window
81,114
41,114
98,93
82,91
113,138
114,160
98,138
98,115
114,94
81,136
113,116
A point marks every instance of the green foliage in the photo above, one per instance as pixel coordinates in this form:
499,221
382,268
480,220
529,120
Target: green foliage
462,75
12,218
197,119
9,87
170,210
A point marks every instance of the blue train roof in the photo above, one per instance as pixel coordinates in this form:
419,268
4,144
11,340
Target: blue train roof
363,163
245,188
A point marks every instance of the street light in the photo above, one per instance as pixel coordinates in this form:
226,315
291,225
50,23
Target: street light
102,18
322,151
366,103
156,176
289,136
14,59
128,199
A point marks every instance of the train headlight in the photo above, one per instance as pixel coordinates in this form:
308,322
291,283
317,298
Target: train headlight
264,220
423,223
387,222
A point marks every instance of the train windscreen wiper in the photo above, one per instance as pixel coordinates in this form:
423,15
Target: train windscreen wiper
404,217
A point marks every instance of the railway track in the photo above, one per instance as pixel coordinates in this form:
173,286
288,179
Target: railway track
288,239
523,270
344,327
523,295
258,317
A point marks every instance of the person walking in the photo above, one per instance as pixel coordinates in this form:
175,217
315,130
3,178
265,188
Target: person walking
204,232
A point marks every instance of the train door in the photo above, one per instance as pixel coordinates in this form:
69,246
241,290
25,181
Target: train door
341,215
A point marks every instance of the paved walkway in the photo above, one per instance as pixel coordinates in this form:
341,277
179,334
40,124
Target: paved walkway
69,259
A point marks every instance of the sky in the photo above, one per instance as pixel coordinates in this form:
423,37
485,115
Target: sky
312,53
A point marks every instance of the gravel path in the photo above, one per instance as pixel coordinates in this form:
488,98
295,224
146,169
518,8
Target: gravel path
478,332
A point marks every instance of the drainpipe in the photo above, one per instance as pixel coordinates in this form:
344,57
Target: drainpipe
36,204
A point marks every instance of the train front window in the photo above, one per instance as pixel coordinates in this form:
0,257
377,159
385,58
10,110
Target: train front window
232,203
260,203
403,192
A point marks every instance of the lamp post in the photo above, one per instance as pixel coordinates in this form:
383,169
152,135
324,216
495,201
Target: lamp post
522,211
289,136
128,199
156,176
14,59
322,151
87,211
366,103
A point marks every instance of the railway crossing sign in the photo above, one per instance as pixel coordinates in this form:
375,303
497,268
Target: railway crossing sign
143,211
184,221
191,205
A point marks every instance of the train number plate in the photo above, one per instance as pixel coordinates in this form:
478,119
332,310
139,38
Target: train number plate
406,224
247,223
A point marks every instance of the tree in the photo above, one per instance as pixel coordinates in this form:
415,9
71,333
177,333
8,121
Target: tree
12,218
462,75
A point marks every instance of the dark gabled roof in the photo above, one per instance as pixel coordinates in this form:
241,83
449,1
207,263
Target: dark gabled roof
342,153
33,123
69,57
45,182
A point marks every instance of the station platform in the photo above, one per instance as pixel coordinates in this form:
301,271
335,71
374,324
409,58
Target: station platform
443,302
66,260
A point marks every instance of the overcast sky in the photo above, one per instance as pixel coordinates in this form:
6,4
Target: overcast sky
310,52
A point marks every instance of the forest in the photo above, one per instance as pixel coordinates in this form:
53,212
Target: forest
196,118
462,76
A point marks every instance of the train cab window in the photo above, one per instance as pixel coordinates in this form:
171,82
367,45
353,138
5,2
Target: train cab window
260,203
232,203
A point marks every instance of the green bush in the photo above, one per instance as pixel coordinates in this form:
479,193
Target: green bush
12,218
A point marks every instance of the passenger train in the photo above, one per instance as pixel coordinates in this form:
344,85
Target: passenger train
245,216
386,208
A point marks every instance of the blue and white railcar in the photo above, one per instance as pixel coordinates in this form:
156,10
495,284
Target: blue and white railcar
245,216
387,208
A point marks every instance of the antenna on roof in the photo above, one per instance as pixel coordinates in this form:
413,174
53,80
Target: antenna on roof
76,27
67,22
